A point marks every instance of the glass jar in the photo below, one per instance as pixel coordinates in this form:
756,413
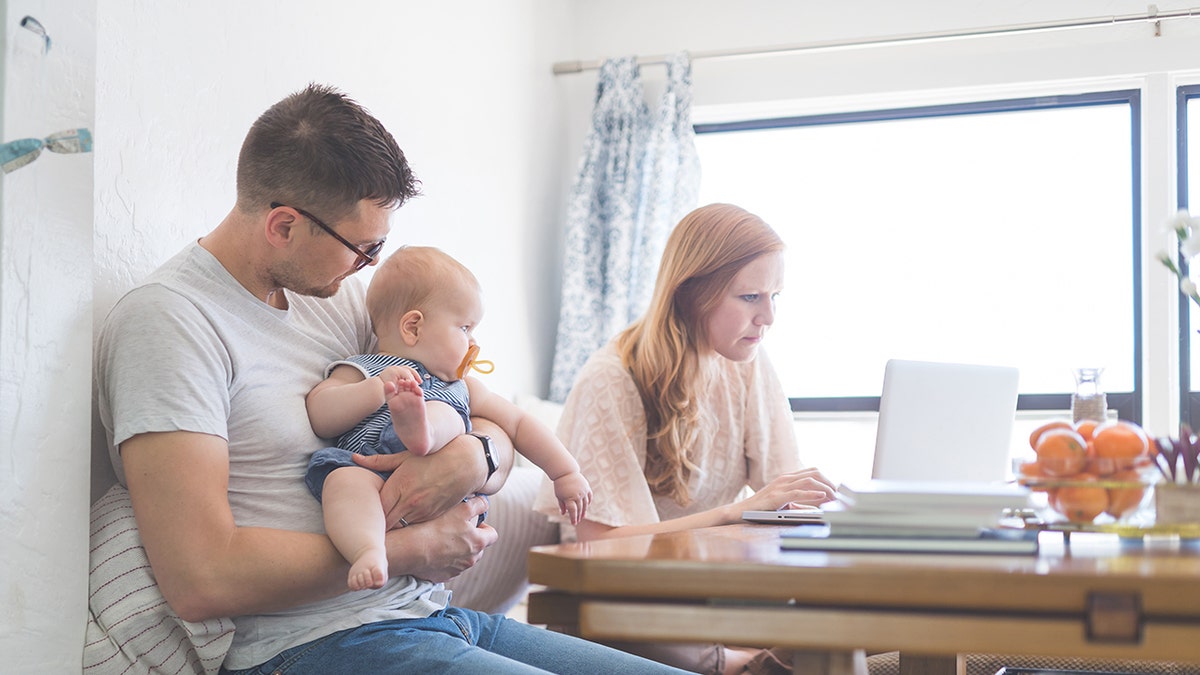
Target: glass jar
1089,402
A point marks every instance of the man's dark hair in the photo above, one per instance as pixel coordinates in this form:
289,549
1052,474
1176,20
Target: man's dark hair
320,150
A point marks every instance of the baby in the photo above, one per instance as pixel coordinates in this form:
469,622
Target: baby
413,395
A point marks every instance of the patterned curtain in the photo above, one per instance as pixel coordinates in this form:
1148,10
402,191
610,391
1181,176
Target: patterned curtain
639,175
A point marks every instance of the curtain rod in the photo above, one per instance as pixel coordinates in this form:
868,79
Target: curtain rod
1152,15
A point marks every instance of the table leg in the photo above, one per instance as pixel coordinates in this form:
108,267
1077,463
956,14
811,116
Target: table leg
829,663
931,664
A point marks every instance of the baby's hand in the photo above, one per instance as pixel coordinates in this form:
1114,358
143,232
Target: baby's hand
395,378
574,494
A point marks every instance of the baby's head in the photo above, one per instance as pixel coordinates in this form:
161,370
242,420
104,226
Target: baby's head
424,305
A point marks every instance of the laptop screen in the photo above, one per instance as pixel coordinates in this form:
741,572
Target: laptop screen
945,422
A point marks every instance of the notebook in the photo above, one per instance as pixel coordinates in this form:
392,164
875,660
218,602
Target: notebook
930,509
1022,542
957,497
945,422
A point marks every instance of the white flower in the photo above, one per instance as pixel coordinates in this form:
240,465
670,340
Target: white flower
1187,231
1181,224
1190,246
1168,261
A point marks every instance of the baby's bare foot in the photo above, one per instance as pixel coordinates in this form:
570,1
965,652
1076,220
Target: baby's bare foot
369,570
407,406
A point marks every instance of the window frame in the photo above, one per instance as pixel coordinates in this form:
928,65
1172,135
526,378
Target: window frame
1189,400
1127,404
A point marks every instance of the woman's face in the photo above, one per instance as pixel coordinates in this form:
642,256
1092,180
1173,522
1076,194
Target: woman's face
736,326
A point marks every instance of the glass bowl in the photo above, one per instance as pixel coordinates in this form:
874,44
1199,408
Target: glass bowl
1110,492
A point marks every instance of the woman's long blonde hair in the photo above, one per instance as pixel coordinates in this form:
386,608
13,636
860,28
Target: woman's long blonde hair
661,350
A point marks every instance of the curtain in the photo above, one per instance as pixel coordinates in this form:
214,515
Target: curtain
639,175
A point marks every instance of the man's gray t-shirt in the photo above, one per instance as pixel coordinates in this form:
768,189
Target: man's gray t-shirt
192,350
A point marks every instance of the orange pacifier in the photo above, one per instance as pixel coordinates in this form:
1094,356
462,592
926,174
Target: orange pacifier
469,363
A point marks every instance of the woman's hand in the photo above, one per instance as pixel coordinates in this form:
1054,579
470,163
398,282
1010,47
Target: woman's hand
804,487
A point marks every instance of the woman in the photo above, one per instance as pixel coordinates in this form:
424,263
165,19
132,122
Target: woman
681,411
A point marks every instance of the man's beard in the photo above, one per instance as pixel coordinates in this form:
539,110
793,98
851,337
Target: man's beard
288,275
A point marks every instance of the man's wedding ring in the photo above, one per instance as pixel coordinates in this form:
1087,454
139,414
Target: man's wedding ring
403,522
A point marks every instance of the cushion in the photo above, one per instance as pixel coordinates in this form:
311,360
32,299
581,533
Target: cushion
130,626
500,579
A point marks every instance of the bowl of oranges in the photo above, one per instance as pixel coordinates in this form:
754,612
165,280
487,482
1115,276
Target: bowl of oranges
1090,472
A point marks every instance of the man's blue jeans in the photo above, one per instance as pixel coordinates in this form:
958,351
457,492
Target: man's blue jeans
454,640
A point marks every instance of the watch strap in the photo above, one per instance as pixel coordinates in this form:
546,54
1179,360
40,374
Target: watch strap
487,452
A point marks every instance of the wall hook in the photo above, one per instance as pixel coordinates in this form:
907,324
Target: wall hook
34,26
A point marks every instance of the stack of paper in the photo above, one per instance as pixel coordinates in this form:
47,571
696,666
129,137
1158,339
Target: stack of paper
915,516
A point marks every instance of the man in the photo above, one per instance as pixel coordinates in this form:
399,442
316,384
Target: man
202,373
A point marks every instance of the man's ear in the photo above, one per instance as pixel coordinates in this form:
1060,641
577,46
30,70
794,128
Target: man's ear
281,227
410,326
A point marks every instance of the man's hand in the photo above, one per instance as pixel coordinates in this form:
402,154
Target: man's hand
423,488
440,549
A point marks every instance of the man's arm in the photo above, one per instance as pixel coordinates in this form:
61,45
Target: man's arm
207,566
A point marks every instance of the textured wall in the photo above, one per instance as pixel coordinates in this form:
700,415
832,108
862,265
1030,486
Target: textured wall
45,343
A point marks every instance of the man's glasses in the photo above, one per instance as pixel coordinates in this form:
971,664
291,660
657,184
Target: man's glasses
364,257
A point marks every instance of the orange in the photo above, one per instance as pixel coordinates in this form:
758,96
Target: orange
1080,502
1031,475
1122,500
1085,428
1121,442
1107,466
1061,452
1037,433
1051,496
1102,466
1030,469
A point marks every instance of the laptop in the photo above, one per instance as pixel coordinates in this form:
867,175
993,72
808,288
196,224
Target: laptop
945,422
801,516
937,422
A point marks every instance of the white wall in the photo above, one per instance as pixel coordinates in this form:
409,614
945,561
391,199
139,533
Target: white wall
45,342
467,89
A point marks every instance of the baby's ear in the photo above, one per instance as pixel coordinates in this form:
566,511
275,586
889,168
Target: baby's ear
410,326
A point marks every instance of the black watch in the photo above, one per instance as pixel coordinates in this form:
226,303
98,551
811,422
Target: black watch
488,453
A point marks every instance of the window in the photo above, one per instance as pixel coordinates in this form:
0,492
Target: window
1188,116
998,232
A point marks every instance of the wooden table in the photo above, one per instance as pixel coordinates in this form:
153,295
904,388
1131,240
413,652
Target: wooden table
1097,596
